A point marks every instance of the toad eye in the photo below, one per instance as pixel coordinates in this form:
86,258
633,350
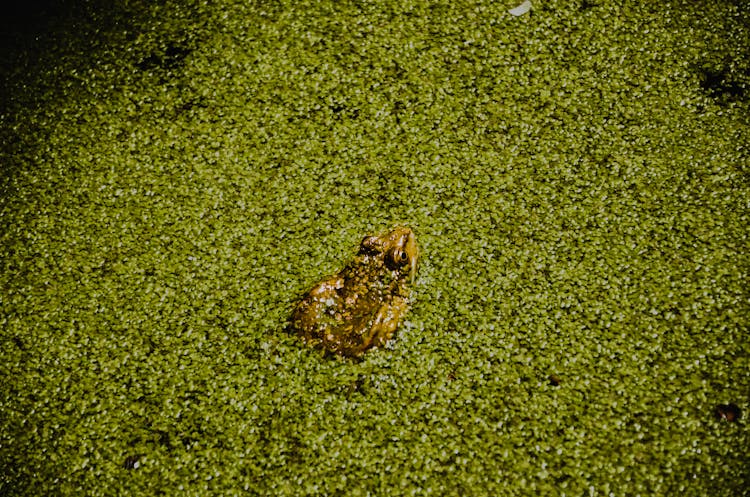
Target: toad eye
397,259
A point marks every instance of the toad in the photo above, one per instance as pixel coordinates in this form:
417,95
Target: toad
362,306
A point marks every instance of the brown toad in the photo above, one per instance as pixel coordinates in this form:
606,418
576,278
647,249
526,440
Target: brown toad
361,306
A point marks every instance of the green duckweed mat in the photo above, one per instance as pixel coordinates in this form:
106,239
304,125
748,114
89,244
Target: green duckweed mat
175,175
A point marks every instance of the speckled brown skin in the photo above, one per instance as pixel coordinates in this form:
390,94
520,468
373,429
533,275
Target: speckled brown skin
361,306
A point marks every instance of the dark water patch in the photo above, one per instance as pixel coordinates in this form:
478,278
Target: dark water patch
720,85
171,58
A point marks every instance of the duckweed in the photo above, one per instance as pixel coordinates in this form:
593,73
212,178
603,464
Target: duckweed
176,174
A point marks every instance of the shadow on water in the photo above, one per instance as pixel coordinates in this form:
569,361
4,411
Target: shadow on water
24,22
37,39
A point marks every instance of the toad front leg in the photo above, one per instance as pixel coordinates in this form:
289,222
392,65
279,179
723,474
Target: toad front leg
385,322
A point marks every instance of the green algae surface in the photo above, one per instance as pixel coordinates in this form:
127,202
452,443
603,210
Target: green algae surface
176,174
